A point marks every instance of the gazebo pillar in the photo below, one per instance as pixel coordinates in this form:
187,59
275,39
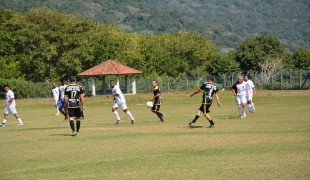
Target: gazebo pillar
93,87
133,85
117,80
104,88
127,84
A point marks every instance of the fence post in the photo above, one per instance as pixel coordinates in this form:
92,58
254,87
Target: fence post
281,81
299,79
224,81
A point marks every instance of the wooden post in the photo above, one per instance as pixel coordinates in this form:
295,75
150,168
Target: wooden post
93,86
133,85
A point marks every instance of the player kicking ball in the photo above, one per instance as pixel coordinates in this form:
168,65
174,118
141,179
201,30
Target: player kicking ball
209,89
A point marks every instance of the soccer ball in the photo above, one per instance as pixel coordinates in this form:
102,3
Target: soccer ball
149,104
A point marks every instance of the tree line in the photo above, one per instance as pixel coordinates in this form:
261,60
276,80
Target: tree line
41,45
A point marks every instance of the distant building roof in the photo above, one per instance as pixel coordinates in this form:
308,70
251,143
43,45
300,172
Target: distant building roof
109,67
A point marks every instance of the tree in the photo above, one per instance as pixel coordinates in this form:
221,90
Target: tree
252,51
269,67
301,59
222,64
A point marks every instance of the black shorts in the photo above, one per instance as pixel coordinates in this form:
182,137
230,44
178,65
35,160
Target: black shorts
207,108
155,108
75,112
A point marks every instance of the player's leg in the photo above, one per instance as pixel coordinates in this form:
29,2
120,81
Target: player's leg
208,117
243,106
61,107
114,110
12,110
249,102
56,105
192,123
5,117
238,100
71,120
155,109
78,116
125,109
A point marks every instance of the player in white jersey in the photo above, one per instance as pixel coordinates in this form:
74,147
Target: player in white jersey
55,96
10,107
251,91
61,103
239,90
119,102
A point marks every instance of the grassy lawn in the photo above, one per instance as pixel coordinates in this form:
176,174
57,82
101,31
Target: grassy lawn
273,143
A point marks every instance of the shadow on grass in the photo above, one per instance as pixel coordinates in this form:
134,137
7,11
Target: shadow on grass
194,127
60,134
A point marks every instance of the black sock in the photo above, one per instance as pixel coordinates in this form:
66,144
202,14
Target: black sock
195,119
160,115
72,125
211,122
78,124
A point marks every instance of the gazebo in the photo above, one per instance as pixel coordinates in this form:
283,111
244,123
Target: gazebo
110,68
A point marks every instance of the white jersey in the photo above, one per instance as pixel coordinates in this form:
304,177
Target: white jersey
62,91
55,92
120,99
10,95
250,86
241,89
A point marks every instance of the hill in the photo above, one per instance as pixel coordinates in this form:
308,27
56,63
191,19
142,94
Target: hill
225,22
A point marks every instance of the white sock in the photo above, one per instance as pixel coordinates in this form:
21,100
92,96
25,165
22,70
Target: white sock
20,121
239,110
250,107
242,110
252,104
4,121
116,115
57,110
130,115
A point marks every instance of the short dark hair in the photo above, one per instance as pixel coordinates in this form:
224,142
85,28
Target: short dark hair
6,85
211,78
72,79
154,80
111,80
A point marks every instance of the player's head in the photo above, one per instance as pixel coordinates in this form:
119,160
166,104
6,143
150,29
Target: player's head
154,83
6,88
72,79
246,78
211,79
240,79
63,81
112,83
54,85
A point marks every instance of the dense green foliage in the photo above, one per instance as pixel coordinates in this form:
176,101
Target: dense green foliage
43,46
226,23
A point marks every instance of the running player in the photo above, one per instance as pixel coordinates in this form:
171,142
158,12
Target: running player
74,99
119,102
251,89
157,101
209,89
61,103
55,96
240,91
10,107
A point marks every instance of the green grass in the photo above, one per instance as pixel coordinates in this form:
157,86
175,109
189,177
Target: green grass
270,144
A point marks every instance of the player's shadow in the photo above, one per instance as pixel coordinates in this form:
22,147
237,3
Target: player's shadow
60,134
193,127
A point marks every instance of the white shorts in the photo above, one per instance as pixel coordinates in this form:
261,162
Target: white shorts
249,97
123,106
56,101
10,110
240,99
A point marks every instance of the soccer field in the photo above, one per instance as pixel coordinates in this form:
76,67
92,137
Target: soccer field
273,143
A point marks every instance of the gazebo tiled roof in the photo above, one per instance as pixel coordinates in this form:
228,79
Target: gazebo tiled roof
109,67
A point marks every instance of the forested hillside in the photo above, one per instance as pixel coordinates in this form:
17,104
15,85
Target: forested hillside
226,23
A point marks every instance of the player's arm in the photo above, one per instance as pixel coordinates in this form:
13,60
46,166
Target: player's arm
195,92
82,101
233,89
218,99
157,95
254,90
9,101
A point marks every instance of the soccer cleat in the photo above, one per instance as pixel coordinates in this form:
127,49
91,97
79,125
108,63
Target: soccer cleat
2,125
77,133
133,121
211,126
161,121
244,115
118,122
20,124
191,124
56,114
74,133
